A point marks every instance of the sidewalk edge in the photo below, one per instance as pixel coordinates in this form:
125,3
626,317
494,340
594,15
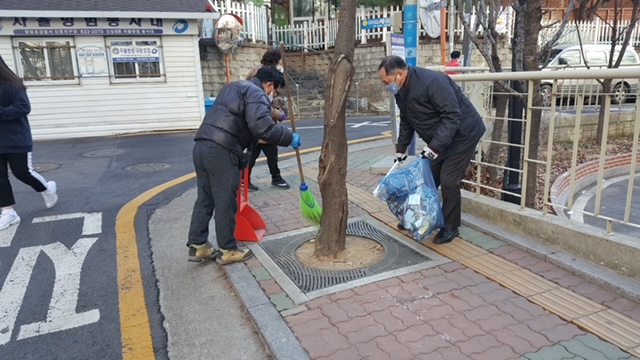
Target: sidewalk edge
274,331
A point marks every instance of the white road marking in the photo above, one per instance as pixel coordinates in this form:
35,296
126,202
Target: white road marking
64,300
6,235
14,288
92,224
369,123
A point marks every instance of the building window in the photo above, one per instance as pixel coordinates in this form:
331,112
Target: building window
135,59
44,61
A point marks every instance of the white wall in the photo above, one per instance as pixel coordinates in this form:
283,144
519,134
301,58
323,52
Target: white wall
97,108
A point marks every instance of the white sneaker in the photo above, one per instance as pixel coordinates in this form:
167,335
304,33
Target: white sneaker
8,218
50,197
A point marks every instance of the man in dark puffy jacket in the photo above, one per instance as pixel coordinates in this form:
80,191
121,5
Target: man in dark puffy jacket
240,116
434,107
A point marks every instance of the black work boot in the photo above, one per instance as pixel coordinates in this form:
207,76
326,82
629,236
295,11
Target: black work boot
446,235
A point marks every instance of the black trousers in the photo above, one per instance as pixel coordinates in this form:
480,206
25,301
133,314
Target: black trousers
271,152
448,174
22,169
217,177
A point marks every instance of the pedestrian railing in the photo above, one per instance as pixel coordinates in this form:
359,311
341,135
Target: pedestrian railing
584,153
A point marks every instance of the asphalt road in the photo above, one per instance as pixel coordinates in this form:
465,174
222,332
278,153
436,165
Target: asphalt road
59,268
613,205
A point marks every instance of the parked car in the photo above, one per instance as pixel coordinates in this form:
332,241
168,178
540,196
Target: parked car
571,57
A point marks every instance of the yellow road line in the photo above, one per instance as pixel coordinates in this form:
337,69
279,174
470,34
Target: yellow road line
134,319
135,328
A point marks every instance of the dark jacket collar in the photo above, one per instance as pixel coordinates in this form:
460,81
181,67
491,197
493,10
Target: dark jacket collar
257,81
407,82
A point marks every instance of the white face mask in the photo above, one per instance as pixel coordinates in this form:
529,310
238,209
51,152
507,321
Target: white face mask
280,68
270,97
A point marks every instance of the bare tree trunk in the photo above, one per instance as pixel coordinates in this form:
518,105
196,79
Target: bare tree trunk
532,31
333,157
606,89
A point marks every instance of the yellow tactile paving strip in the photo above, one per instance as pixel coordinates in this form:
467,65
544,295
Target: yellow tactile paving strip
622,331
489,264
568,305
524,283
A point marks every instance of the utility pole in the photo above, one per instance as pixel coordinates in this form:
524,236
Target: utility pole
511,181
411,32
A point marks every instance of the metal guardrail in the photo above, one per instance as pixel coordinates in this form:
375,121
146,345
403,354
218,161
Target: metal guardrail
575,99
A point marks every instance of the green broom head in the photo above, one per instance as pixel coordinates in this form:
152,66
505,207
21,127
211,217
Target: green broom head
308,205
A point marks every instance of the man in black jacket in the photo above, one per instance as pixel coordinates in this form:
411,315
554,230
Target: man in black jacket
434,107
241,115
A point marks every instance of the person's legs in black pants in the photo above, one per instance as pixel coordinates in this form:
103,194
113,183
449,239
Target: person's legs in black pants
23,171
255,153
6,192
271,152
20,164
448,174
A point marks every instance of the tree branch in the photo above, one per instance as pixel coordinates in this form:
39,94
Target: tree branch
484,48
546,48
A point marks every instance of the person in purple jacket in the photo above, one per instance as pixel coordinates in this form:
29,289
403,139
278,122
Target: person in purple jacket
15,147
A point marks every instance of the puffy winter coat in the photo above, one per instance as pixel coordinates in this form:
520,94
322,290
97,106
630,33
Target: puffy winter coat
240,116
433,106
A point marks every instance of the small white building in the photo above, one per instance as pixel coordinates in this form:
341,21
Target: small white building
97,68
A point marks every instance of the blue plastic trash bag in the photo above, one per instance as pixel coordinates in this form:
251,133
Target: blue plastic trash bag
413,198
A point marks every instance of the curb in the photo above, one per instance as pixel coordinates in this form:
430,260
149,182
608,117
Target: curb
272,328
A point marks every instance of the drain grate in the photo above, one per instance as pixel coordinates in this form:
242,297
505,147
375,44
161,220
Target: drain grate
396,256
43,167
148,167
103,153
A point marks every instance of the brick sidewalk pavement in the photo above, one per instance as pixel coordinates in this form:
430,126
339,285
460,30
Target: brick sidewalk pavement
454,311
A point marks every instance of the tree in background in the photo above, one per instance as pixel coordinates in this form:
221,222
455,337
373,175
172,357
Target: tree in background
588,9
620,35
332,173
527,56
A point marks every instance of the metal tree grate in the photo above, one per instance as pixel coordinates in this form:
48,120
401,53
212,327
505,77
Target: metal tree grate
396,256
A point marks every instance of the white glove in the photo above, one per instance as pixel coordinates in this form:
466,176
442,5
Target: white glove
399,157
427,153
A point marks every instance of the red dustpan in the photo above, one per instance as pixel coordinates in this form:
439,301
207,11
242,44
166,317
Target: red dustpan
249,224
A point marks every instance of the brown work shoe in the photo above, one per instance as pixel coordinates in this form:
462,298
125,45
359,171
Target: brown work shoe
233,255
201,252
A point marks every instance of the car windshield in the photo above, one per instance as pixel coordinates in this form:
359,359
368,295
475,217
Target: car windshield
551,56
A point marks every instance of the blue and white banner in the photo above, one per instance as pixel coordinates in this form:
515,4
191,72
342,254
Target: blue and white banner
44,26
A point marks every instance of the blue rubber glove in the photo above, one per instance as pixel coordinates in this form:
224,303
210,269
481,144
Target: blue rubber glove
295,143
284,115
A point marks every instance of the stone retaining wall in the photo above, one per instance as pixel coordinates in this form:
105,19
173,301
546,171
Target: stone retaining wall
212,62
370,92
621,122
